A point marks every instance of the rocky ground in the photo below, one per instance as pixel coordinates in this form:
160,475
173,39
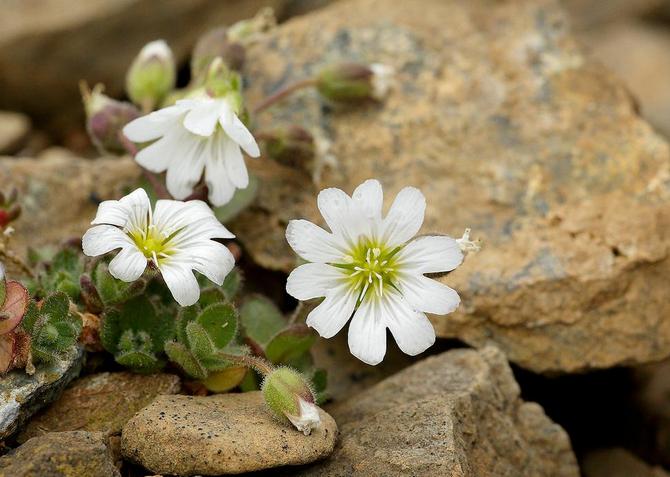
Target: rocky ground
543,125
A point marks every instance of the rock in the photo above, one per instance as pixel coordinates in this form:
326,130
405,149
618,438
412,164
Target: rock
457,414
590,14
618,463
22,395
71,454
645,70
95,41
504,124
59,193
14,129
100,403
219,434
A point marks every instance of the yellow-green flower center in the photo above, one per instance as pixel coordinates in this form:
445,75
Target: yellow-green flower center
371,268
152,243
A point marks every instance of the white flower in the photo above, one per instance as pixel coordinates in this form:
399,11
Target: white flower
382,80
308,418
175,236
196,134
368,267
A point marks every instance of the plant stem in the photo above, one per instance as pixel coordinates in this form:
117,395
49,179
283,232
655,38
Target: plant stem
254,362
283,93
12,257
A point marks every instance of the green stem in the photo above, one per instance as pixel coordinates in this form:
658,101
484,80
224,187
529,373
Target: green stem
254,362
283,93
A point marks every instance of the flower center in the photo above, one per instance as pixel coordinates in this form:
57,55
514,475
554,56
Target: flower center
372,268
152,243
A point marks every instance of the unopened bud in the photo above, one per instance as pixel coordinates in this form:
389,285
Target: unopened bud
354,82
221,82
10,210
216,44
105,119
289,396
292,146
249,31
152,75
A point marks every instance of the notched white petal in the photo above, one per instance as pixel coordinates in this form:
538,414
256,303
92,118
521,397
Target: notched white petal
313,243
405,216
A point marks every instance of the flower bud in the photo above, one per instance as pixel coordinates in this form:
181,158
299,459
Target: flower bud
152,75
105,119
248,31
292,146
354,82
216,44
289,396
220,81
10,210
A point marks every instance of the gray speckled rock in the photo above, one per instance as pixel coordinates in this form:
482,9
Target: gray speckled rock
22,395
61,454
507,127
457,414
220,434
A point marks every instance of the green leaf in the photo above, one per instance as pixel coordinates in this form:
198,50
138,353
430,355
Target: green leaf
240,201
319,385
185,316
199,342
140,362
113,290
290,344
232,284
220,323
261,319
178,353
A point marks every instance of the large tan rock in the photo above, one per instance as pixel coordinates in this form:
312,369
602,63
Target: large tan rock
219,434
59,193
507,127
456,414
101,402
47,47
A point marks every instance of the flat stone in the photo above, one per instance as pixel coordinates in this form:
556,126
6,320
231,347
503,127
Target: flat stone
219,434
507,127
457,414
14,129
94,40
618,462
68,454
101,402
22,395
59,193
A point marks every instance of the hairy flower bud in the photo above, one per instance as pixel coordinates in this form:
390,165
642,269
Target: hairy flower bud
152,75
292,146
289,396
216,44
354,82
105,119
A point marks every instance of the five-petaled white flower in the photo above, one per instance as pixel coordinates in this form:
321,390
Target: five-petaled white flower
368,266
196,134
176,237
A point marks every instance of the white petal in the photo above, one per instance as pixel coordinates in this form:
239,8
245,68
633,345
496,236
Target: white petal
182,283
120,212
239,133
158,156
194,220
153,125
427,295
212,259
235,166
370,198
101,239
313,280
128,265
186,170
313,243
430,254
411,329
342,214
203,117
221,189
367,333
405,217
333,313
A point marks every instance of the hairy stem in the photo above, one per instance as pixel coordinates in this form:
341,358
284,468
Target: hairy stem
283,93
253,362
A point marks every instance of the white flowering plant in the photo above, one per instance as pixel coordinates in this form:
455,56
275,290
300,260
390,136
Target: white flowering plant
154,280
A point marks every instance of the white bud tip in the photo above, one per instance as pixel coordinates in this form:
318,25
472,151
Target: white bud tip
382,80
308,419
156,49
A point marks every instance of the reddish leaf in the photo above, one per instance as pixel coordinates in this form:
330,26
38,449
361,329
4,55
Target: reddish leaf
7,348
15,306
